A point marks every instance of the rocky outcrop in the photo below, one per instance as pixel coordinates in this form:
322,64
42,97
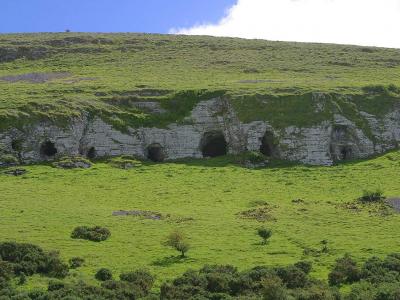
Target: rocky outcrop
322,144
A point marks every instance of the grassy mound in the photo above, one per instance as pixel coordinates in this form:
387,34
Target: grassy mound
60,76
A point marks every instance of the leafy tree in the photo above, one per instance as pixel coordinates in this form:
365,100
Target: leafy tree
264,233
178,241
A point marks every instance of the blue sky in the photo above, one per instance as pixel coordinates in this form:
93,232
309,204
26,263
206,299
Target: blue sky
155,16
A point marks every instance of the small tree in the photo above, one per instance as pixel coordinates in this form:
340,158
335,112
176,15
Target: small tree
178,241
264,233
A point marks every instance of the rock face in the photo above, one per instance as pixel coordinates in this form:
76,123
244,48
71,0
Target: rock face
322,144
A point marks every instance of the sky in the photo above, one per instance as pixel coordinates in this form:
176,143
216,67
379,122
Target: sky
360,22
153,16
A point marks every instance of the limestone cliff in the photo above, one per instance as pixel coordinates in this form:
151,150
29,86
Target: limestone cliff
212,128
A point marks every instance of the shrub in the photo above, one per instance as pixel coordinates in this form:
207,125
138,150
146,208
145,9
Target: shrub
6,270
344,271
305,266
30,259
55,285
273,289
8,159
264,233
292,277
372,196
103,274
76,262
95,234
21,279
178,241
140,278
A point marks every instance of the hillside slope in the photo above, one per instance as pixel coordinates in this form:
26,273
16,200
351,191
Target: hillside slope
124,94
102,73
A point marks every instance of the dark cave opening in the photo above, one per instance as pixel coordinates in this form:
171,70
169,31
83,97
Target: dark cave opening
16,145
48,149
345,153
91,154
155,152
214,144
268,144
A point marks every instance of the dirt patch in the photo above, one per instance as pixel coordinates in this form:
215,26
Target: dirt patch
380,208
146,214
16,172
152,215
260,214
36,77
72,163
394,203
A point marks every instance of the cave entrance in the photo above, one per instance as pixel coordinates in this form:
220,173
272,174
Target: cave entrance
268,147
155,152
91,154
214,144
48,149
345,153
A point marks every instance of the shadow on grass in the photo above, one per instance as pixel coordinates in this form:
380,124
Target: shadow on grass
171,260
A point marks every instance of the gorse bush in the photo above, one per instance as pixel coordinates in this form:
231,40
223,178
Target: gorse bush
95,234
139,278
76,262
29,259
103,274
344,271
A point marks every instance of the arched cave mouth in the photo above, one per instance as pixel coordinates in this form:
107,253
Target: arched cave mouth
346,153
155,152
214,144
268,144
91,154
48,149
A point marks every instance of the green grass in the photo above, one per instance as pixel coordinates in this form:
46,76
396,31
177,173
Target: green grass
44,206
110,71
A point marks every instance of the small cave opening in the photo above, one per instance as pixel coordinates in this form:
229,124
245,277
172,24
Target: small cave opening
48,149
268,144
16,145
214,144
91,153
155,152
346,153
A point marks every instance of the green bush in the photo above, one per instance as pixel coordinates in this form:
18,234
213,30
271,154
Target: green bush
344,271
76,262
292,277
8,159
305,266
140,278
95,234
6,270
372,196
30,259
264,233
103,274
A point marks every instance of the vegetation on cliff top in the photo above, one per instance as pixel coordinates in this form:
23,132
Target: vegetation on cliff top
59,76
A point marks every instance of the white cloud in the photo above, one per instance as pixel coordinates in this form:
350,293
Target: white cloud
360,22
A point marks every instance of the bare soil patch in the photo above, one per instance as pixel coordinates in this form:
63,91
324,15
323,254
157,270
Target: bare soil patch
36,77
260,214
394,203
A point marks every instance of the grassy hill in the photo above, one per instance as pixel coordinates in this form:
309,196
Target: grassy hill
204,199
103,73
